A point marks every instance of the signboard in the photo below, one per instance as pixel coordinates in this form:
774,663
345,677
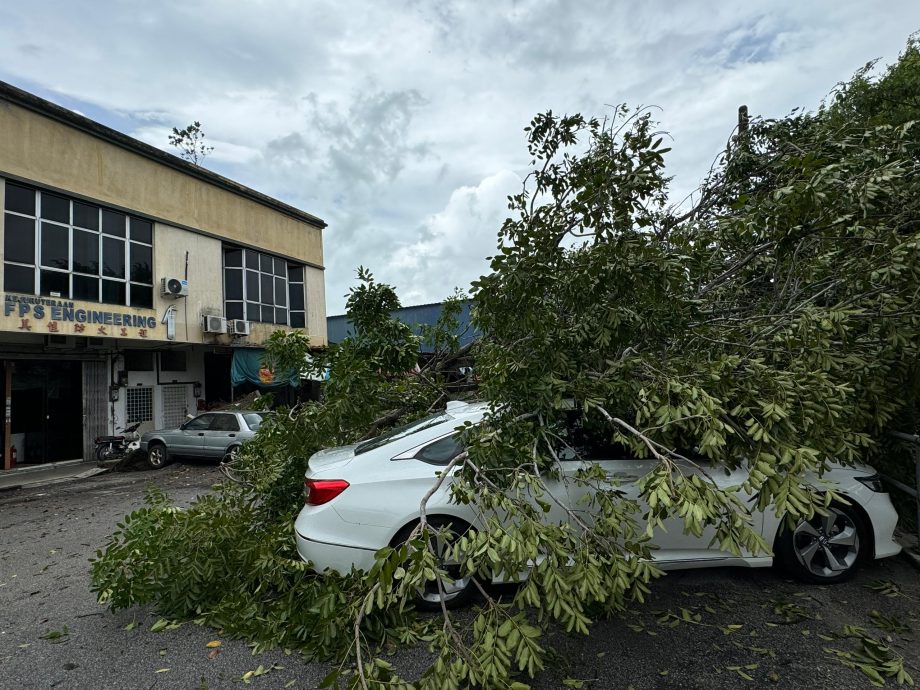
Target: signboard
31,314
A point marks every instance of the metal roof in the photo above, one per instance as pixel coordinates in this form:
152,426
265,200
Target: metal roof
339,327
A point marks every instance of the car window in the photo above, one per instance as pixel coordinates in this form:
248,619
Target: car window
254,419
592,439
199,423
225,422
441,451
401,432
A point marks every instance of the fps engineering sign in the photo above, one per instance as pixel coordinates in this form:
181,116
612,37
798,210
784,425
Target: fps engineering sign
30,314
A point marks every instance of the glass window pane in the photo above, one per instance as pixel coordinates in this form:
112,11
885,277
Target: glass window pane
234,310
55,284
141,260
253,311
113,222
85,216
280,267
86,288
252,286
297,319
280,315
142,296
113,292
252,259
199,423
86,252
233,284
141,230
20,199
19,279
54,246
268,314
280,293
233,257
295,273
267,263
19,239
113,257
55,207
268,289
296,292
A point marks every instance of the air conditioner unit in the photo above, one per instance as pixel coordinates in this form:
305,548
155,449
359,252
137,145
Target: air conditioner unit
214,324
173,287
239,327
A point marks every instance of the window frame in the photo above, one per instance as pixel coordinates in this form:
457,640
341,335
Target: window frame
264,267
38,267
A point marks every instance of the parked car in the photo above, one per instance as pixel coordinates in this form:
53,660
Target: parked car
363,497
210,435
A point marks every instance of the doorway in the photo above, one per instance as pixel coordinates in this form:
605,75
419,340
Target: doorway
46,415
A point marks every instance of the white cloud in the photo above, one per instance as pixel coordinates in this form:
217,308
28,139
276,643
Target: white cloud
400,123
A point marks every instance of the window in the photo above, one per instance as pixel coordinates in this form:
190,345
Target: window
139,404
225,422
260,287
441,451
62,247
254,419
202,423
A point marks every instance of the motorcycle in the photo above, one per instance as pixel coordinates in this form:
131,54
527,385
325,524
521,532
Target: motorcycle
115,447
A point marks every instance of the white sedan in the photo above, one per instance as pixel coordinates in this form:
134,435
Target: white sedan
363,497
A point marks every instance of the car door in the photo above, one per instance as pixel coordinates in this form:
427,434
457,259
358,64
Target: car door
223,431
189,438
674,545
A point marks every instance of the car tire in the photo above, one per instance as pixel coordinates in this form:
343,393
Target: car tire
233,452
825,550
430,599
157,456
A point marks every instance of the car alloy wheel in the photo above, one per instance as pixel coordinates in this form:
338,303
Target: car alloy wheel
157,457
827,546
454,590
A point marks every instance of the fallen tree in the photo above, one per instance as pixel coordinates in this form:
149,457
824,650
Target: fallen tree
769,325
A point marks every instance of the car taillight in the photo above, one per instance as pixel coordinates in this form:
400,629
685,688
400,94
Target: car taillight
319,491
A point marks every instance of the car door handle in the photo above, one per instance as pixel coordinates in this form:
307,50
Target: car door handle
201,433
232,435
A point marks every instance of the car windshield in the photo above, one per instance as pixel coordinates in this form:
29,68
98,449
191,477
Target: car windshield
254,419
401,432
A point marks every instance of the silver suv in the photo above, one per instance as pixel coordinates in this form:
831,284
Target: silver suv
210,435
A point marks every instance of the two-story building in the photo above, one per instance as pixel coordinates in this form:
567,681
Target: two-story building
130,281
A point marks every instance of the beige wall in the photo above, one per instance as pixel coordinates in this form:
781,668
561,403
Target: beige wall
48,152
52,154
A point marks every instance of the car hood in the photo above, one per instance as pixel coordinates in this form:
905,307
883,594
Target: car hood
332,457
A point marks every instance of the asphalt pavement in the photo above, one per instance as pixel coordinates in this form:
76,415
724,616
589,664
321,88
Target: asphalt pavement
700,629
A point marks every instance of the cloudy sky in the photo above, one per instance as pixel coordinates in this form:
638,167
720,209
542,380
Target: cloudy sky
400,123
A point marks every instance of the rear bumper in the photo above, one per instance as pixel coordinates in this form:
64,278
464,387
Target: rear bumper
334,557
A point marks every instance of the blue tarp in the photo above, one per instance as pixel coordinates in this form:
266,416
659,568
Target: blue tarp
247,367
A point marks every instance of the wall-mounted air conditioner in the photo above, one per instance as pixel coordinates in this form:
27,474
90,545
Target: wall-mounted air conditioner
214,324
173,287
239,327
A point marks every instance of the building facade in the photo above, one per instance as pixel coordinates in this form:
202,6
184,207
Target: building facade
130,278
